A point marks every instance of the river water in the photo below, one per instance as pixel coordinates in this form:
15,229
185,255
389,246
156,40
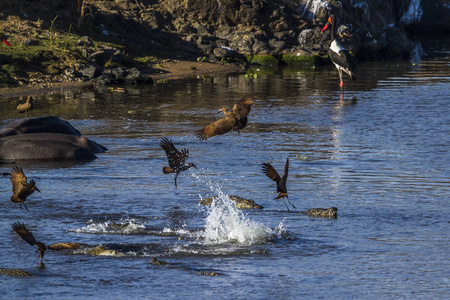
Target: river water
380,155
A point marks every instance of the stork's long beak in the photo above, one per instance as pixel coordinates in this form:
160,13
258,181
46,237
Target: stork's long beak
6,42
326,25
35,187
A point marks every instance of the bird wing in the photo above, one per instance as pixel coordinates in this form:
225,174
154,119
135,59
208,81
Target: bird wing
282,184
27,189
174,156
18,180
270,172
342,58
218,127
242,108
24,233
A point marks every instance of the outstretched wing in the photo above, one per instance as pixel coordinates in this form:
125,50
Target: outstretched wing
18,180
286,168
24,233
218,127
270,172
242,107
282,183
174,156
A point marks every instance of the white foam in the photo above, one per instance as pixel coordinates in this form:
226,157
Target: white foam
124,226
225,223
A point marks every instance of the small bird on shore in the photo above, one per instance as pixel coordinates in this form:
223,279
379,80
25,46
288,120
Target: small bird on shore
21,188
340,57
41,247
281,181
177,159
235,119
27,106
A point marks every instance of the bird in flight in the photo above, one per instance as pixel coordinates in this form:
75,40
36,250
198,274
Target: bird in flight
234,119
28,237
281,181
21,188
177,159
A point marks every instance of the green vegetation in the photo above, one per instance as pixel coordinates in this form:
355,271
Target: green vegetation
263,60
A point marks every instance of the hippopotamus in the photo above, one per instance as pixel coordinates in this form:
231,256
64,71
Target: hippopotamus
79,141
49,124
29,149
45,138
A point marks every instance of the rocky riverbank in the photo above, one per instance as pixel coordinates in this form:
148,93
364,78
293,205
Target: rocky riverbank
132,41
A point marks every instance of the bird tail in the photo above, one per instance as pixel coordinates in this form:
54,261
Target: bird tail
280,195
167,170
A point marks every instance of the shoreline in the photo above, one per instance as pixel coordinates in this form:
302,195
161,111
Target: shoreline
170,70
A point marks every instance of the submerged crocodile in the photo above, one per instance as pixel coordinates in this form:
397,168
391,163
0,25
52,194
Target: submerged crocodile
321,212
240,202
15,272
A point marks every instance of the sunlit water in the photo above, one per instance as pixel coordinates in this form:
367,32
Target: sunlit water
380,155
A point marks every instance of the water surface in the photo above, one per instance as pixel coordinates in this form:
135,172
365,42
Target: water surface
380,155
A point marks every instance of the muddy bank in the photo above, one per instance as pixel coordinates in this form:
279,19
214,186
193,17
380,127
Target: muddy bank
141,42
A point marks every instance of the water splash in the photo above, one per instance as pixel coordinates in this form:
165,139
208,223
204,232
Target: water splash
225,223
124,226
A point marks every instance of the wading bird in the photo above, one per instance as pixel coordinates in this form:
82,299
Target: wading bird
177,159
281,181
27,106
21,188
339,55
41,247
235,119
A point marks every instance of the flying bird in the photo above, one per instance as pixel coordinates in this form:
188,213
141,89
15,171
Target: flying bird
234,119
27,106
339,55
177,159
41,247
21,188
281,181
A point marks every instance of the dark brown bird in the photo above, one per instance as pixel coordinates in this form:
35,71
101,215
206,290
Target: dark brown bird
177,159
27,106
29,238
235,119
21,188
281,181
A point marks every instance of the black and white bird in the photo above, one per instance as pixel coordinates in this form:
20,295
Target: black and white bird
339,55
